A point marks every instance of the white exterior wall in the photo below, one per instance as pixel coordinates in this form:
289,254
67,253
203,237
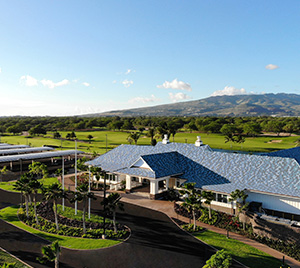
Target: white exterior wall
280,203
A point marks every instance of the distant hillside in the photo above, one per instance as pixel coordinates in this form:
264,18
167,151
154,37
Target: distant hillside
241,105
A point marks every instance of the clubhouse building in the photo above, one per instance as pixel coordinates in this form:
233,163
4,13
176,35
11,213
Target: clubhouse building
271,180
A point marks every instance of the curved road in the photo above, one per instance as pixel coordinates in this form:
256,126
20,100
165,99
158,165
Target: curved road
155,242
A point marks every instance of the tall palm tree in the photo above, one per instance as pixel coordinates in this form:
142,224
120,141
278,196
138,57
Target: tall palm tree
83,195
134,136
2,172
208,196
151,133
192,200
38,169
51,253
112,202
53,193
239,196
35,186
23,186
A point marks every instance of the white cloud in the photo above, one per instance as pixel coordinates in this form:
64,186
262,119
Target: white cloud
230,91
271,67
175,84
127,83
114,82
129,71
0,70
86,84
28,81
51,84
178,97
143,100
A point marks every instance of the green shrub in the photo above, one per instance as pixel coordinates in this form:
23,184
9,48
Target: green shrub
205,216
190,228
219,260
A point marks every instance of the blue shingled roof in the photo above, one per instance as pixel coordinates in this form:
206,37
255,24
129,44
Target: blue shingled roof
164,164
289,153
217,171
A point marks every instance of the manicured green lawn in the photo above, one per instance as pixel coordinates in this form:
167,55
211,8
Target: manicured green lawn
6,258
243,253
9,214
115,138
69,213
8,186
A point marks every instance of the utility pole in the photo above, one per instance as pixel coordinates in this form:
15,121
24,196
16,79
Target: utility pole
63,182
89,191
106,143
75,175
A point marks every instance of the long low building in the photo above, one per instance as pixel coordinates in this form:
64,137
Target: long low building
272,179
17,158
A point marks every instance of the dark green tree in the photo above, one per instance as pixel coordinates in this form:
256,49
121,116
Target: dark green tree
112,202
51,253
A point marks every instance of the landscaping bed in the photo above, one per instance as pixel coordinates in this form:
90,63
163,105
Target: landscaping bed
10,214
232,224
70,227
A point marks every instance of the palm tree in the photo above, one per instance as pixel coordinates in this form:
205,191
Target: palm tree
229,138
192,200
54,192
2,172
134,136
56,135
112,202
239,196
90,137
208,196
51,253
68,136
35,185
151,133
22,185
83,195
37,169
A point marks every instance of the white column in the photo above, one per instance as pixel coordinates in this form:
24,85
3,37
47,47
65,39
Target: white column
153,187
167,183
140,179
128,182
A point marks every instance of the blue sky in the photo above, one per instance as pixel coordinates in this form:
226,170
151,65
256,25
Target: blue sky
64,57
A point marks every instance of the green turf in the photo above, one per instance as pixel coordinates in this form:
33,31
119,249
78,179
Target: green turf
115,138
6,258
9,214
243,253
69,213
8,186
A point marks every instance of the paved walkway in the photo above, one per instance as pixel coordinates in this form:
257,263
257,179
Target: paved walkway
168,208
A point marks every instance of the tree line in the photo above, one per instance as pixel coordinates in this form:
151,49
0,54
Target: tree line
250,126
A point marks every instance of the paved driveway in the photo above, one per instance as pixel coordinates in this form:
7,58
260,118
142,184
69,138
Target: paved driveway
155,242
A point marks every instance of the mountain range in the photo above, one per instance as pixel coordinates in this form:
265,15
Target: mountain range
280,104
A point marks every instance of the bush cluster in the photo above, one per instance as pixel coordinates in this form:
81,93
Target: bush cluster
205,216
221,259
231,223
50,227
190,228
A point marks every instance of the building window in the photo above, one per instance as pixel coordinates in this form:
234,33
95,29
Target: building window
221,198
